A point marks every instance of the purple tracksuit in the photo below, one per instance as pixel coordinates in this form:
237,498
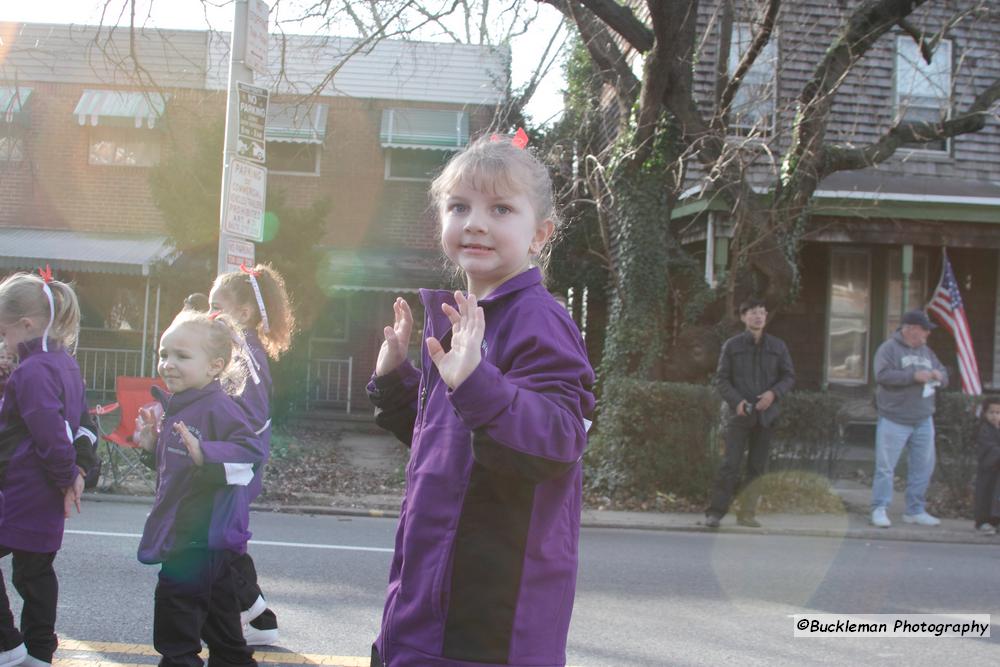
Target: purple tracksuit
43,401
256,403
484,570
206,506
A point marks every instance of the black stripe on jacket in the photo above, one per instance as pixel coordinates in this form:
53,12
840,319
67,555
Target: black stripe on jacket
487,564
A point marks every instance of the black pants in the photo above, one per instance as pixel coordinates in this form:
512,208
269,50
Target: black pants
741,434
376,658
987,487
35,581
248,590
195,599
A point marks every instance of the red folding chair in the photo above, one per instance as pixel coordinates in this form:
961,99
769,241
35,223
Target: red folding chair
122,452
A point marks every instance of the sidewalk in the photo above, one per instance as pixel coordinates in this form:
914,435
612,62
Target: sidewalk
851,524
367,451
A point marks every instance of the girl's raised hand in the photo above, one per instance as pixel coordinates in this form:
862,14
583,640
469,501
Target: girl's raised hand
191,443
149,429
397,339
468,325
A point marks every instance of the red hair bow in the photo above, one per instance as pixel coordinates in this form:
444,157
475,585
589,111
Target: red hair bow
519,140
46,273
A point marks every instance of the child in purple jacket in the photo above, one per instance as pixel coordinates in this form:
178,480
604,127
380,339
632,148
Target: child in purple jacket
258,301
39,414
205,451
485,564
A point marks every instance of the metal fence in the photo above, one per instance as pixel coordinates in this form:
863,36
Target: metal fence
100,367
328,384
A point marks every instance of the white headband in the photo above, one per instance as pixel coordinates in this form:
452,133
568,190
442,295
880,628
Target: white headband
260,298
46,275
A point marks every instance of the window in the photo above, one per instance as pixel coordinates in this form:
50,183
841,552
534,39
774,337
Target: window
917,296
411,164
11,148
849,324
293,158
923,91
752,110
120,147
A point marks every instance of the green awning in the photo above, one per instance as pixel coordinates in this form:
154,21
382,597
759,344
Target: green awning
120,108
13,103
431,129
295,123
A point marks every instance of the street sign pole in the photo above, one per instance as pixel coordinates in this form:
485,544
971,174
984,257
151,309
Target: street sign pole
238,72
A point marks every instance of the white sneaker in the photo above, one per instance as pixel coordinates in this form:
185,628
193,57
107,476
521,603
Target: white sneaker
255,610
987,529
32,661
14,656
922,519
879,518
255,637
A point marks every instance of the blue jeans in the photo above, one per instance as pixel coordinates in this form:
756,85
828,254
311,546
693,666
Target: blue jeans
890,438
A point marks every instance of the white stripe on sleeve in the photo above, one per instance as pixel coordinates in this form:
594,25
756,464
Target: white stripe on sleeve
238,474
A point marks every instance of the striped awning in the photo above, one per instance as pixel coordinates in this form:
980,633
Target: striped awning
13,101
135,254
430,129
295,123
120,108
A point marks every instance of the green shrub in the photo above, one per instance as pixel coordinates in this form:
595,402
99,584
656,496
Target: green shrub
955,427
662,437
653,436
808,434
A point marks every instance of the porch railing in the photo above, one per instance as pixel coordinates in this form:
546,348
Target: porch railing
100,367
328,383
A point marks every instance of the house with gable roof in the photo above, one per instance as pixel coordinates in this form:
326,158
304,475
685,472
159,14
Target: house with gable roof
82,121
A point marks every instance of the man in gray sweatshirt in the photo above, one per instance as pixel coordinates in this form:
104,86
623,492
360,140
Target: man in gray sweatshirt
908,373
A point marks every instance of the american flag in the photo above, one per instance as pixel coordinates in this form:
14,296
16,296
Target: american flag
946,307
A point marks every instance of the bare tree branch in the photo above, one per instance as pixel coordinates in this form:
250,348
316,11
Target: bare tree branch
760,40
840,158
619,17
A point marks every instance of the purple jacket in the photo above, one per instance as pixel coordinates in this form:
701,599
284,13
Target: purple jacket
485,563
256,403
205,506
43,401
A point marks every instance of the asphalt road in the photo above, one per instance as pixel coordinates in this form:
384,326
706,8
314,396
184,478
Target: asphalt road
644,597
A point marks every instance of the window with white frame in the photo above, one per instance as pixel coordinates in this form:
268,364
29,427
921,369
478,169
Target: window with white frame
414,164
11,148
293,158
123,147
849,323
916,294
923,90
753,107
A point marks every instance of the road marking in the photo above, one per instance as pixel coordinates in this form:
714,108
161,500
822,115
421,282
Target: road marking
121,649
263,543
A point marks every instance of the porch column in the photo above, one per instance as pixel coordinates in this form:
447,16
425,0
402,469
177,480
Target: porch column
710,250
156,328
907,267
145,328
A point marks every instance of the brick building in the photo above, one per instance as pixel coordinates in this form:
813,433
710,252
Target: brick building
82,121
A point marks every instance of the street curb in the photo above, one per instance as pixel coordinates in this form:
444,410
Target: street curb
870,534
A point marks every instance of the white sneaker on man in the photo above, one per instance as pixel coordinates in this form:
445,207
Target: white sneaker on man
987,529
922,519
14,656
879,518
256,637
32,661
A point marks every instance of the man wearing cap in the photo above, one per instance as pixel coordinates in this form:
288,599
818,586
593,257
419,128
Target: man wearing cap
908,373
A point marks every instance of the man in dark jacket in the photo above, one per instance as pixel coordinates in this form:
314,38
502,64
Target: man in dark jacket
755,371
